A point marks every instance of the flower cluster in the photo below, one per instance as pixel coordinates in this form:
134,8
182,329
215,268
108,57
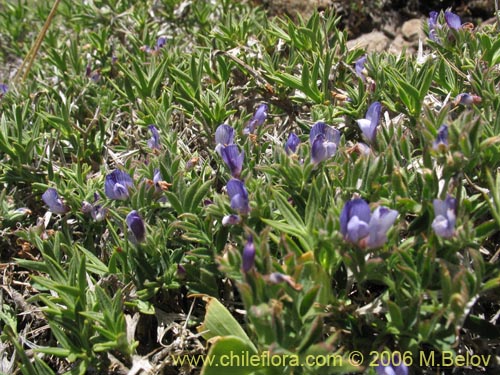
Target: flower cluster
160,43
324,142
257,119
3,89
452,20
96,211
444,222
56,205
230,153
359,226
368,125
154,141
118,185
292,144
234,158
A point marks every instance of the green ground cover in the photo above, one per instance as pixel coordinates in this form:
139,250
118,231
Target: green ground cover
345,219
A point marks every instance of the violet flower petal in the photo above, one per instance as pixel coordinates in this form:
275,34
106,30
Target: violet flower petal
432,22
231,220
154,141
445,212
257,119
157,176
239,196
441,139
324,142
136,226
52,200
322,150
160,42
452,20
356,230
329,133
233,158
224,136
117,184
369,124
355,207
248,255
382,219
292,143
359,66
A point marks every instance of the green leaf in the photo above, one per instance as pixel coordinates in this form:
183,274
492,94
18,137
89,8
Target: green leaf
195,194
58,352
494,57
300,234
396,315
42,368
227,357
308,300
313,333
219,322
312,207
288,212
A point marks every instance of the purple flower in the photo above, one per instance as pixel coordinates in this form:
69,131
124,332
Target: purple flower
354,220
98,212
238,195
224,136
467,99
292,143
95,210
3,89
248,256
56,205
382,219
369,124
363,149
441,142
257,119
361,227
278,278
160,42
392,369
444,222
231,220
87,207
157,176
158,182
432,22
136,226
359,66
154,141
233,158
116,185
452,20
324,142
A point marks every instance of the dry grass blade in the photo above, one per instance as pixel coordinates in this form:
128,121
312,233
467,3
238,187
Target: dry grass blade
30,57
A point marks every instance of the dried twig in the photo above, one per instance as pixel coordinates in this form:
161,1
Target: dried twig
30,57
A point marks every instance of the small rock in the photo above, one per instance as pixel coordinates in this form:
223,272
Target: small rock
376,41
412,30
397,44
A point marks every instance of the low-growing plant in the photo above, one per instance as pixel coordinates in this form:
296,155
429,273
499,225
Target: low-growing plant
198,165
